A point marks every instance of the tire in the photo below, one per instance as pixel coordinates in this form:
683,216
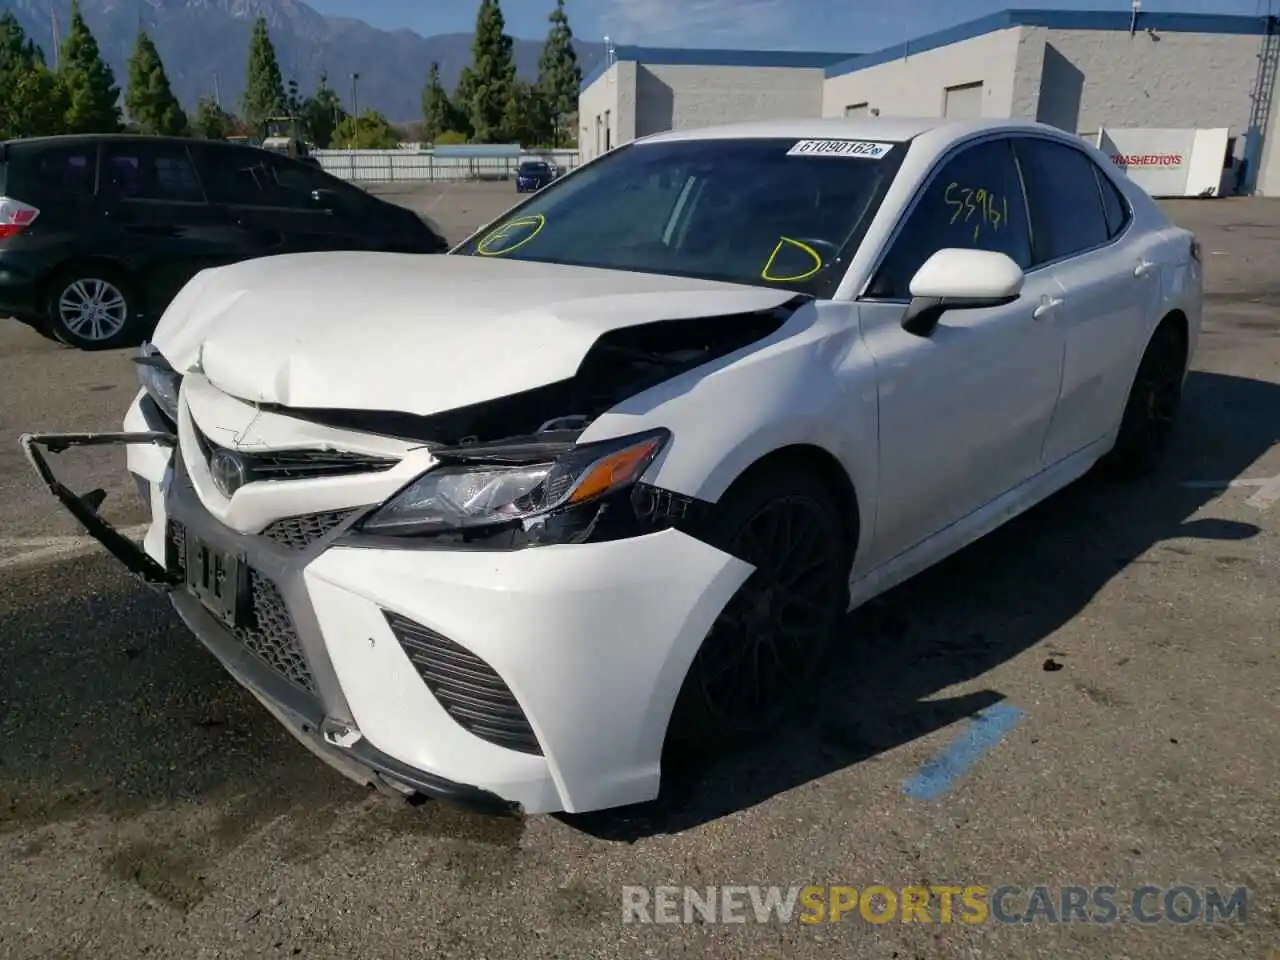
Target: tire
1152,406
812,569
94,307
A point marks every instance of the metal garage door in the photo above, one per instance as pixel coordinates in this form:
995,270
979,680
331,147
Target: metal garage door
963,101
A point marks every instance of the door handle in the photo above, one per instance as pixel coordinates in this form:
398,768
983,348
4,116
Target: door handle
1046,305
1143,268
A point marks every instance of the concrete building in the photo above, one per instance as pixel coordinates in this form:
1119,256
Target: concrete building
642,90
1081,71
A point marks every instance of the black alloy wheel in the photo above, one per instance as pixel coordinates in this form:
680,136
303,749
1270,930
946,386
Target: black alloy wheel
764,650
1152,406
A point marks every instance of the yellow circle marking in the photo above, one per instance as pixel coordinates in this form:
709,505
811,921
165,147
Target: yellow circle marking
537,222
788,242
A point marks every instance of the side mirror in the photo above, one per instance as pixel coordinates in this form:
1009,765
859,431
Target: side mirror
959,279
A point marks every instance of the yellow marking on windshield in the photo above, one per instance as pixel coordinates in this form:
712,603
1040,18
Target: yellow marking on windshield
991,210
504,232
784,243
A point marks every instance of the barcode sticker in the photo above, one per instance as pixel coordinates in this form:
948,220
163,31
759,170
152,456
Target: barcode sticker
868,149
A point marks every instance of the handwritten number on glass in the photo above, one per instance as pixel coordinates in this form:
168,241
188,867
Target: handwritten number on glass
977,206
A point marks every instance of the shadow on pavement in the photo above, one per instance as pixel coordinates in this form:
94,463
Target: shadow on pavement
983,606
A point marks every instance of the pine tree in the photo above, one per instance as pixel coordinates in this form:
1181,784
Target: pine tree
437,112
150,100
494,72
18,53
91,91
559,75
461,101
264,85
32,103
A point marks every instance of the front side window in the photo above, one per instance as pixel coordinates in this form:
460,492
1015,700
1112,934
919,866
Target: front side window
775,212
973,202
150,171
1067,213
294,184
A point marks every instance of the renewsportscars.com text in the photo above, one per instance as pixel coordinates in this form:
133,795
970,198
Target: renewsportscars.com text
1008,904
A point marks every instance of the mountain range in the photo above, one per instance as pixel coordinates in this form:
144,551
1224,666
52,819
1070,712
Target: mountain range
205,45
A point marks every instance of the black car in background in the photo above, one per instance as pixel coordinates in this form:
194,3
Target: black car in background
98,233
533,175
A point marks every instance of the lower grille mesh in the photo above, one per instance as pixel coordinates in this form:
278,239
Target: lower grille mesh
270,634
300,532
470,690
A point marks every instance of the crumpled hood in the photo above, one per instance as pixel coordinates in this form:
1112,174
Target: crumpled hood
414,334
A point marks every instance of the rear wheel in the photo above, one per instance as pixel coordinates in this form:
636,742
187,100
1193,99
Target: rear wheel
765,648
93,307
1152,406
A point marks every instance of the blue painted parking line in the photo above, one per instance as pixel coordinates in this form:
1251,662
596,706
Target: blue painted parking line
985,730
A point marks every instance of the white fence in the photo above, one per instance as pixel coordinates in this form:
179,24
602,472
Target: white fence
389,166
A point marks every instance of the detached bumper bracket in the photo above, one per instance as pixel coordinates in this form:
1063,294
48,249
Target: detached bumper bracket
84,507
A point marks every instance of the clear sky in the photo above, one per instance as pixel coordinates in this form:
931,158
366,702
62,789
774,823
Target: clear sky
857,25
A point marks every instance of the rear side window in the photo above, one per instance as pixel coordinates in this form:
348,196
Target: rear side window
152,171
63,171
1067,214
1113,204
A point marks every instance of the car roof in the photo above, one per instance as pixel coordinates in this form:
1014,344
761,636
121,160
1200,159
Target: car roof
72,139
893,129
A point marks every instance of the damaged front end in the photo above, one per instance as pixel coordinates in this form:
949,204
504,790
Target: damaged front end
85,507
516,461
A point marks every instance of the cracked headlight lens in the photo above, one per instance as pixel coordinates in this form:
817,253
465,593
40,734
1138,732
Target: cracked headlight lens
468,495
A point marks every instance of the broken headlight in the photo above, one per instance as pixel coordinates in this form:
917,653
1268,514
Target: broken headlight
476,494
160,380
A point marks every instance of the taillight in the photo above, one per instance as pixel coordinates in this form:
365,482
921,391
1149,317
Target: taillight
1195,250
15,216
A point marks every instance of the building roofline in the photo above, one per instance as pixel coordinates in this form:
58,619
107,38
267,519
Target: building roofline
681,57
1056,20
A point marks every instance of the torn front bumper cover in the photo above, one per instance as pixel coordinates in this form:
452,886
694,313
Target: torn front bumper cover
84,507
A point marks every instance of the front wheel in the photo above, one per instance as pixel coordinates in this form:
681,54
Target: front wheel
1152,405
93,308
764,650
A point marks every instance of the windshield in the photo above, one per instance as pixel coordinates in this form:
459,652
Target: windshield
534,168
777,212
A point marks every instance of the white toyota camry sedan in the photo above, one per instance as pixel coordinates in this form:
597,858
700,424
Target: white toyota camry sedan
505,526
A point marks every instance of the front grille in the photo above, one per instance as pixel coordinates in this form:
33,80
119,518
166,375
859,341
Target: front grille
269,634
299,533
470,690
273,638
299,464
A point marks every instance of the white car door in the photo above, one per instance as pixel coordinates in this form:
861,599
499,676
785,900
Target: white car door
963,412
1080,232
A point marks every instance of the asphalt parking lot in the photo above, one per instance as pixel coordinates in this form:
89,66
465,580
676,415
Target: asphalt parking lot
1127,635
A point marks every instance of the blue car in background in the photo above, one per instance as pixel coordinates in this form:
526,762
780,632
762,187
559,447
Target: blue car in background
533,175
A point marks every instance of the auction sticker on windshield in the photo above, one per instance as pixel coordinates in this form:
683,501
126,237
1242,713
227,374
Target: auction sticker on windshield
840,148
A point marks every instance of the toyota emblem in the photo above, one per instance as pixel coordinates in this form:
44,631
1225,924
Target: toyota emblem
228,471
